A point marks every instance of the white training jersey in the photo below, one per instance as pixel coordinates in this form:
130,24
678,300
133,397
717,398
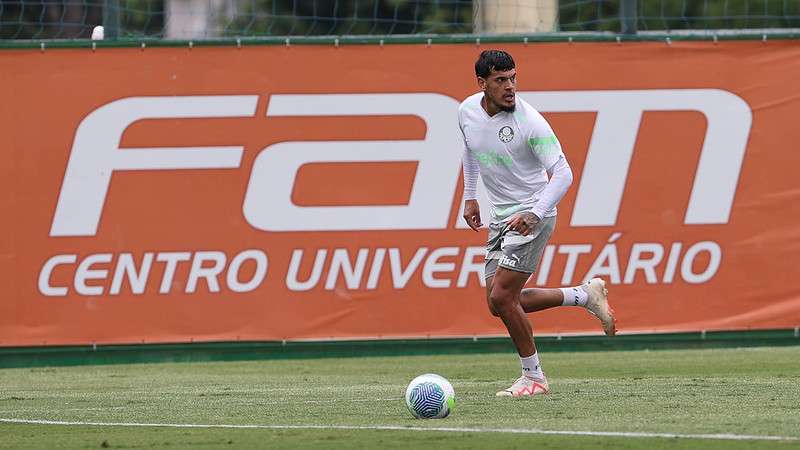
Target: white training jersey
514,151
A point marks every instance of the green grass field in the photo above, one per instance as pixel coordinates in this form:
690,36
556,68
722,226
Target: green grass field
742,392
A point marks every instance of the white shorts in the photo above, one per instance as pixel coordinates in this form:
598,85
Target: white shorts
513,251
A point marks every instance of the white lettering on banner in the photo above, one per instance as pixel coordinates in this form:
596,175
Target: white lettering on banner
268,205
172,259
715,255
401,276
434,273
85,272
469,266
377,265
636,262
138,278
47,270
433,266
607,264
573,252
96,153
646,258
294,266
126,266
260,259
341,263
619,113
197,271
350,268
672,262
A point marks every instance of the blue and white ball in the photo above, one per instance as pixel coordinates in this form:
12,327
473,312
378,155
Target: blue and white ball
430,396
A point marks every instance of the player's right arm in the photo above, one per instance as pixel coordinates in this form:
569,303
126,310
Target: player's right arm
472,211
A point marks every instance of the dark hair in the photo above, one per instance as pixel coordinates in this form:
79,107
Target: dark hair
496,60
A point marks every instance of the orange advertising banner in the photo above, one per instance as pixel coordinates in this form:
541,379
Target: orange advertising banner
310,192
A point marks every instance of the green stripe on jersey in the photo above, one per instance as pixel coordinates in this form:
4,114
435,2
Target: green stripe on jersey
505,212
547,145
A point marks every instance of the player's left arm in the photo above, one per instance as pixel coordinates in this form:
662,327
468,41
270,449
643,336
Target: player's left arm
560,180
546,147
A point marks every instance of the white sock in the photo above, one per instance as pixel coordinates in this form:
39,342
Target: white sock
531,367
574,296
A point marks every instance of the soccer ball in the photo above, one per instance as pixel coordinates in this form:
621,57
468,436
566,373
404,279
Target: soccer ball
430,396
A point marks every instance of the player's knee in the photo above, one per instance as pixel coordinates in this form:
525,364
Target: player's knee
500,300
491,308
489,289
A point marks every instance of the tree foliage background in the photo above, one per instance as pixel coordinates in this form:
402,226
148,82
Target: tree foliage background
68,19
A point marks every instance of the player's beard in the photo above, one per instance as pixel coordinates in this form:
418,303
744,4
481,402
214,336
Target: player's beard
508,109
503,107
500,106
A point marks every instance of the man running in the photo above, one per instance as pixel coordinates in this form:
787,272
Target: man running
514,149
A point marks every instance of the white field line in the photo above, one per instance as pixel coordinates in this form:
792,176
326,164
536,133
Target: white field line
36,410
626,434
353,400
142,406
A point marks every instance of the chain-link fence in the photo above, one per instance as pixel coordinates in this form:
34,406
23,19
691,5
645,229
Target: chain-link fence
212,19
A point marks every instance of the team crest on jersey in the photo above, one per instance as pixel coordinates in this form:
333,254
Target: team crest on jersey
506,134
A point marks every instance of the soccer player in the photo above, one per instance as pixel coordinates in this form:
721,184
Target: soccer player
514,149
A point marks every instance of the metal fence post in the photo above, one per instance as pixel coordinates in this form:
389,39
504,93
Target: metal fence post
111,19
628,17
